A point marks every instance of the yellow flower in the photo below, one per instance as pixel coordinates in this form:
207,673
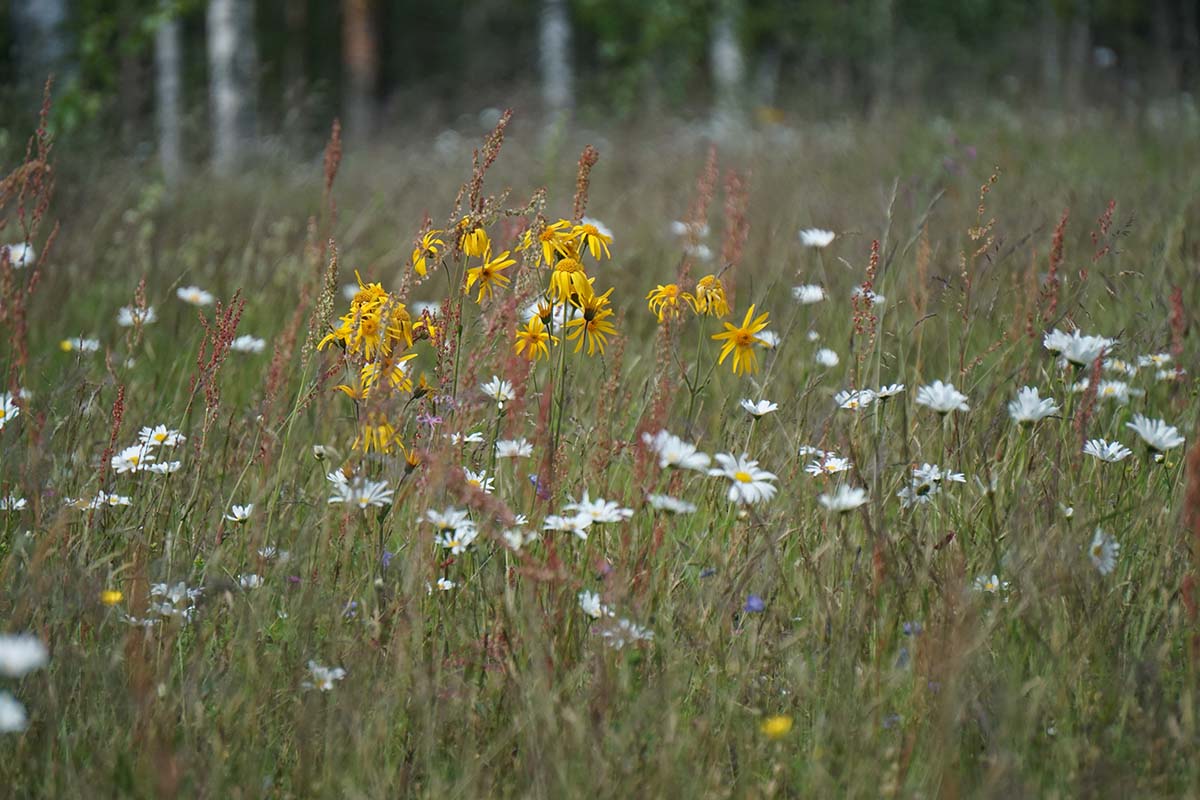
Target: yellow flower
590,237
367,294
569,282
709,298
475,242
664,300
555,241
399,328
356,393
776,727
592,324
431,246
110,597
741,340
534,339
488,274
392,371
422,388
376,434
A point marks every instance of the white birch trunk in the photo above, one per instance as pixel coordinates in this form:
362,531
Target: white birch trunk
728,70
231,66
168,86
555,58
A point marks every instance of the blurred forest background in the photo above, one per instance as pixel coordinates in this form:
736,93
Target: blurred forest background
189,82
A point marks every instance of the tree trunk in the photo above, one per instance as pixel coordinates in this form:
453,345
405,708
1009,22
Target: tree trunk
555,59
1079,53
41,39
728,70
882,63
232,65
1051,55
360,54
168,86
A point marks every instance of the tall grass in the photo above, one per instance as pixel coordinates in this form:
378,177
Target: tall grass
899,676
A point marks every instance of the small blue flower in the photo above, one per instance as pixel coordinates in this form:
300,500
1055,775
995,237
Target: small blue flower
708,572
754,604
386,560
351,610
912,628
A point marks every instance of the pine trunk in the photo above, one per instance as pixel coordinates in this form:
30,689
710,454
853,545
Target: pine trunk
231,66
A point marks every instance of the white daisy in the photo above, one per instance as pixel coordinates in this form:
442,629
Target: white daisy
194,295
599,510
844,498
876,299
479,480
674,452
19,254
991,584
590,603
942,398
759,408
829,464
250,581
474,437
1029,407
165,467
1157,434
499,390
1154,360
827,358
21,654
240,513
362,493
575,523
854,399
444,585
451,519
1117,390
129,316
808,294
626,632
9,410
1106,451
458,540
13,718
323,678
513,448
160,436
248,344
1103,552
79,345
12,503
768,339
747,483
132,459
891,390
1075,348
816,237
673,505
694,229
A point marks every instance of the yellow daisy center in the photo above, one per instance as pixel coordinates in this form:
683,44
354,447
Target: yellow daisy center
742,476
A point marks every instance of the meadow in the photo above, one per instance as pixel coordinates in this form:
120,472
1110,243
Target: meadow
847,459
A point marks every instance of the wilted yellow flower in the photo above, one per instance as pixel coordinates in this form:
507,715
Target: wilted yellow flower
776,727
569,282
534,339
741,340
431,246
376,434
475,242
110,597
593,239
664,299
488,274
592,324
709,298
390,372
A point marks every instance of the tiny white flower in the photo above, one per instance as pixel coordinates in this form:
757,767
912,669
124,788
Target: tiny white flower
79,345
12,503
458,540
808,293
445,584
600,511
828,464
816,237
362,493
135,458
590,603
1075,348
250,581
626,632
165,467
1155,360
990,584
758,408
891,390
813,336
1106,451
876,299
247,344
577,524
768,339
194,295
1103,552
475,437
320,452
451,519
240,513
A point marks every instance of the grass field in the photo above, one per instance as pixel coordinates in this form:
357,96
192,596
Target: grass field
996,613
